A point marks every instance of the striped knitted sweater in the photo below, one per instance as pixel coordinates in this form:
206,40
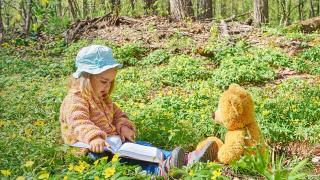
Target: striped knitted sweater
84,119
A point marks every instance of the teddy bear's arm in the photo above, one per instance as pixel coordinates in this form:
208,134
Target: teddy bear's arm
233,148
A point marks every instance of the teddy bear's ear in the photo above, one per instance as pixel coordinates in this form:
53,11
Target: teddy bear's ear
236,105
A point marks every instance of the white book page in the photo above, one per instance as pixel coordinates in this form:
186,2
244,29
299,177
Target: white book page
114,142
140,152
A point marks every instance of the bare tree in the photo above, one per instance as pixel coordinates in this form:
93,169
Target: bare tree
260,12
204,9
180,9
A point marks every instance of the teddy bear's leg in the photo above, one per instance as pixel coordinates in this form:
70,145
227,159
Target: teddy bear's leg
214,151
233,148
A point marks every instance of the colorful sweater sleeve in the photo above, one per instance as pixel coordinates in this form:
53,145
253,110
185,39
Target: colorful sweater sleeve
79,119
120,119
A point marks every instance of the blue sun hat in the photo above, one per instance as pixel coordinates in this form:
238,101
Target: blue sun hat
94,59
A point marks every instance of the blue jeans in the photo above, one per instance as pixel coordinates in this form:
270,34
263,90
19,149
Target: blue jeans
149,167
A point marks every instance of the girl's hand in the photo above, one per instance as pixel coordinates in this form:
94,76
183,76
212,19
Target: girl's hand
97,145
127,133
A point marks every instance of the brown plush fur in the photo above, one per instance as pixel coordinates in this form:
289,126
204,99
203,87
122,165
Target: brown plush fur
236,113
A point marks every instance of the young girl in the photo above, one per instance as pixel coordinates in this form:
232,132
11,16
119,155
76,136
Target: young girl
87,113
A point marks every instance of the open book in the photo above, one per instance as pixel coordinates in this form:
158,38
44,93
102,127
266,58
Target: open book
129,150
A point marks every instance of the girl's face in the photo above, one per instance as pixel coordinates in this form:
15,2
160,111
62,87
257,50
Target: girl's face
101,83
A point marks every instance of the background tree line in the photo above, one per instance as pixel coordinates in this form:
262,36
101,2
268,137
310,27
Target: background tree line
53,16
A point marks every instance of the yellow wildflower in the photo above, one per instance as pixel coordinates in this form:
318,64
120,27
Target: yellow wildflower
70,167
215,174
39,123
21,178
104,158
5,45
84,164
109,172
28,131
29,164
2,123
65,177
211,163
96,178
81,167
96,162
191,173
44,175
115,158
265,113
6,172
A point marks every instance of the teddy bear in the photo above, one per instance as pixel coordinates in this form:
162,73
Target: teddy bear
236,112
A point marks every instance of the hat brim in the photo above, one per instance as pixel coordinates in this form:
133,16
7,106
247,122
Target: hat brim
95,71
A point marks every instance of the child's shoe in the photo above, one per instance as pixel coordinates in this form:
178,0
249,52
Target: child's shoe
177,160
206,153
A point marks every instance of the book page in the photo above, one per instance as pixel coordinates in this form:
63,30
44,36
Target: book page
114,142
140,152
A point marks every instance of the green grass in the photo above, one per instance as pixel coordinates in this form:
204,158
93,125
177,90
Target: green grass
170,97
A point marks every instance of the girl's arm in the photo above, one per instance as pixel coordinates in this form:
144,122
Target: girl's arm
120,119
79,119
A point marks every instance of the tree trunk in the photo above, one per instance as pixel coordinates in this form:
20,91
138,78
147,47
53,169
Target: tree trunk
76,8
72,10
204,8
214,9
115,6
28,18
243,6
180,9
312,13
132,3
85,8
234,8
1,24
318,7
223,8
59,8
260,12
149,5
103,5
301,9
287,19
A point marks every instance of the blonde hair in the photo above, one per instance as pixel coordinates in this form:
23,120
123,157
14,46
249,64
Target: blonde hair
84,85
